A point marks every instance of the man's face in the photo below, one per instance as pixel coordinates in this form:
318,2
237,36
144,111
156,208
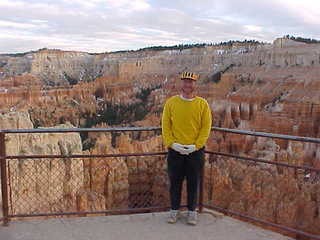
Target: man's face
188,86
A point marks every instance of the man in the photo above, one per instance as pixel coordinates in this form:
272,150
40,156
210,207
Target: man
186,125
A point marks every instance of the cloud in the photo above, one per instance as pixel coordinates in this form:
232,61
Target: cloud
106,25
8,24
129,4
308,11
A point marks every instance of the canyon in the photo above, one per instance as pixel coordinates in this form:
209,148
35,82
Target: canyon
249,86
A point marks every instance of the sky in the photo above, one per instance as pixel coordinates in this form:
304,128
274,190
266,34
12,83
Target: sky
113,25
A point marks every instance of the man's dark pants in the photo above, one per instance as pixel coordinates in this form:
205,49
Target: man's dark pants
181,167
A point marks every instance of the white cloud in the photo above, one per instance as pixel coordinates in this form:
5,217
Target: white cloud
104,25
128,4
7,3
87,4
8,24
307,10
253,28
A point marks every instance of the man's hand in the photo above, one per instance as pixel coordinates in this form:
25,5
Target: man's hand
180,148
183,149
189,148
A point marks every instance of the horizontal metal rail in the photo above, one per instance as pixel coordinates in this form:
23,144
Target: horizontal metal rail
87,155
270,135
288,229
64,130
131,129
110,212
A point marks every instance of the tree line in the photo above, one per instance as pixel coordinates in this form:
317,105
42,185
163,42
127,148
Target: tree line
301,39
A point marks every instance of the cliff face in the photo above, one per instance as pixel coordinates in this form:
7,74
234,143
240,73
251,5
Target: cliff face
56,67
63,68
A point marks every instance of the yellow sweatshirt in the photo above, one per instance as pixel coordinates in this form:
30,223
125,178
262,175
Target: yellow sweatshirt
186,122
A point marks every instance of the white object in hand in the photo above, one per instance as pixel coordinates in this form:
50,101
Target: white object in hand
189,148
179,148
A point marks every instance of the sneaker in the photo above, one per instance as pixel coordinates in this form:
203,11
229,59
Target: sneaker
173,216
192,218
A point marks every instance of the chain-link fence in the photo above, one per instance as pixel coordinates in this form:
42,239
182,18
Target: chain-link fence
276,184
62,185
72,182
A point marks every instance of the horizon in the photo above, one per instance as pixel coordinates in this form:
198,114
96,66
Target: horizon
190,45
136,50
99,26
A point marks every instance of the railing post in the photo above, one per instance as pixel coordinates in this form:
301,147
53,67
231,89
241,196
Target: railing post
4,186
201,187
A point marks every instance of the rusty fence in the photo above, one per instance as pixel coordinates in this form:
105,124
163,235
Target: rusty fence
229,165
81,184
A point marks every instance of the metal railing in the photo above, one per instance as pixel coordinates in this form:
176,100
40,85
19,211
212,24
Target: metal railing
17,201
220,156
136,198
